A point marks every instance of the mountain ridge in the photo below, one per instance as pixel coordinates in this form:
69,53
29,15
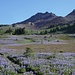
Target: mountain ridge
47,19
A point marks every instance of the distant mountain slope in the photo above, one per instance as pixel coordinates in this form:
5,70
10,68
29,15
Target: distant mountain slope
55,21
71,16
39,17
46,20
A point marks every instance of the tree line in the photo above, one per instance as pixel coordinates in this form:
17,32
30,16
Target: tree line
20,31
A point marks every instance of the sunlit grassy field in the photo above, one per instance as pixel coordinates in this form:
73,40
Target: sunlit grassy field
69,47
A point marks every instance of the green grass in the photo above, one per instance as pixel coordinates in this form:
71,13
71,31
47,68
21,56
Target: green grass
24,41
3,36
66,37
70,47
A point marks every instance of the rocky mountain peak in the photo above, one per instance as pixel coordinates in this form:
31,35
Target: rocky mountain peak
39,17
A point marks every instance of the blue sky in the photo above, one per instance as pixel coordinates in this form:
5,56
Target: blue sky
12,11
